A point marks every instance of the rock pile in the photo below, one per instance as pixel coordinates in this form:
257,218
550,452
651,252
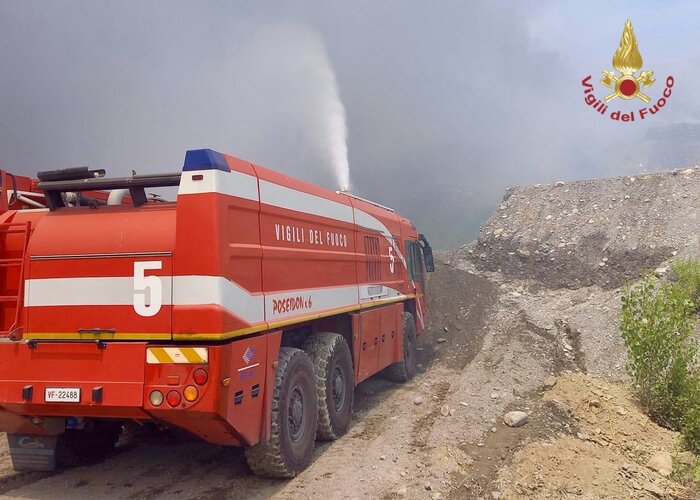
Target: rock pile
598,232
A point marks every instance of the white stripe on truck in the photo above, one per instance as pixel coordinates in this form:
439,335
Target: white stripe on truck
217,181
202,290
292,199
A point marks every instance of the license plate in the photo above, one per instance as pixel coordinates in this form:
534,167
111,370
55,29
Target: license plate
62,394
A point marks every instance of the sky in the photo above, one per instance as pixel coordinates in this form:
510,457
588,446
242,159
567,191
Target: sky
447,103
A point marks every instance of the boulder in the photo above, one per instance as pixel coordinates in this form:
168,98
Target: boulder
515,418
661,462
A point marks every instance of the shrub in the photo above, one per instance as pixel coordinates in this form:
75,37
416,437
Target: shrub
687,273
657,326
691,429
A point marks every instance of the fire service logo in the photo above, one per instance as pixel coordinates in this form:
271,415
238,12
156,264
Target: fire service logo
627,82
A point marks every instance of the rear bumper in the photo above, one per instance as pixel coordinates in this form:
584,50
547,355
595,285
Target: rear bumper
110,378
116,378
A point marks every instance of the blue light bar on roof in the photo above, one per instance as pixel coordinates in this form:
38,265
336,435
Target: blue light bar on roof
204,159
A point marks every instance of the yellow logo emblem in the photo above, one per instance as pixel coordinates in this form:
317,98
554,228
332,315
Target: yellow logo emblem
627,61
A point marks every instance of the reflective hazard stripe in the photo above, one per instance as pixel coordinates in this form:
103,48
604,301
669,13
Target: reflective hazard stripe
179,355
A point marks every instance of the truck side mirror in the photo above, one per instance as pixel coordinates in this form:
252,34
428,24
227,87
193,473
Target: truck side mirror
428,257
427,254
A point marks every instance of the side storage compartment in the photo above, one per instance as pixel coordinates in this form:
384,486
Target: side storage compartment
376,339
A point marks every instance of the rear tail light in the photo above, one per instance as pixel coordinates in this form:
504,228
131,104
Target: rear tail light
200,376
173,398
156,398
191,393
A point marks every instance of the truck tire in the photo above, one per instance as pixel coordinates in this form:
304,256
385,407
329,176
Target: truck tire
330,354
294,415
91,444
405,370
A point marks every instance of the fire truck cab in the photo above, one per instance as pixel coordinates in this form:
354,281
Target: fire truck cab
244,312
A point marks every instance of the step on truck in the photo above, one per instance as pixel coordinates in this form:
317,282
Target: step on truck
244,312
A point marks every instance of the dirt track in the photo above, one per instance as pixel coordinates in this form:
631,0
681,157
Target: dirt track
385,451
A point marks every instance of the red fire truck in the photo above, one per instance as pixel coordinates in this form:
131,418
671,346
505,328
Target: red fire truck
244,312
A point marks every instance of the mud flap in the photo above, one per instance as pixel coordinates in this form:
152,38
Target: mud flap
32,453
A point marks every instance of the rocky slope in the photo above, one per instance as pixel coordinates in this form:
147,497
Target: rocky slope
617,452
596,232
562,251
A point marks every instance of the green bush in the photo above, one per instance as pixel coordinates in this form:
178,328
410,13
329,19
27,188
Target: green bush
687,272
691,428
657,324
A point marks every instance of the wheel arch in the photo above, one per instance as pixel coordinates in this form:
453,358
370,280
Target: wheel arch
340,323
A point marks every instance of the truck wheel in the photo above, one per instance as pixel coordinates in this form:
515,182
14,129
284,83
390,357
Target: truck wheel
293,417
405,370
88,445
332,361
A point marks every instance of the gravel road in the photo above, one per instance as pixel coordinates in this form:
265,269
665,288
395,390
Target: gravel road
388,449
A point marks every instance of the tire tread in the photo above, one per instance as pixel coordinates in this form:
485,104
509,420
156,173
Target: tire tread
266,458
320,348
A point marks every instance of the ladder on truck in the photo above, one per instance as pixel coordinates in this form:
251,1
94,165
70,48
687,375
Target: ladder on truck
12,297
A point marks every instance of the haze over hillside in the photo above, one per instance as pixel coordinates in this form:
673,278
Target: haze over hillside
672,146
